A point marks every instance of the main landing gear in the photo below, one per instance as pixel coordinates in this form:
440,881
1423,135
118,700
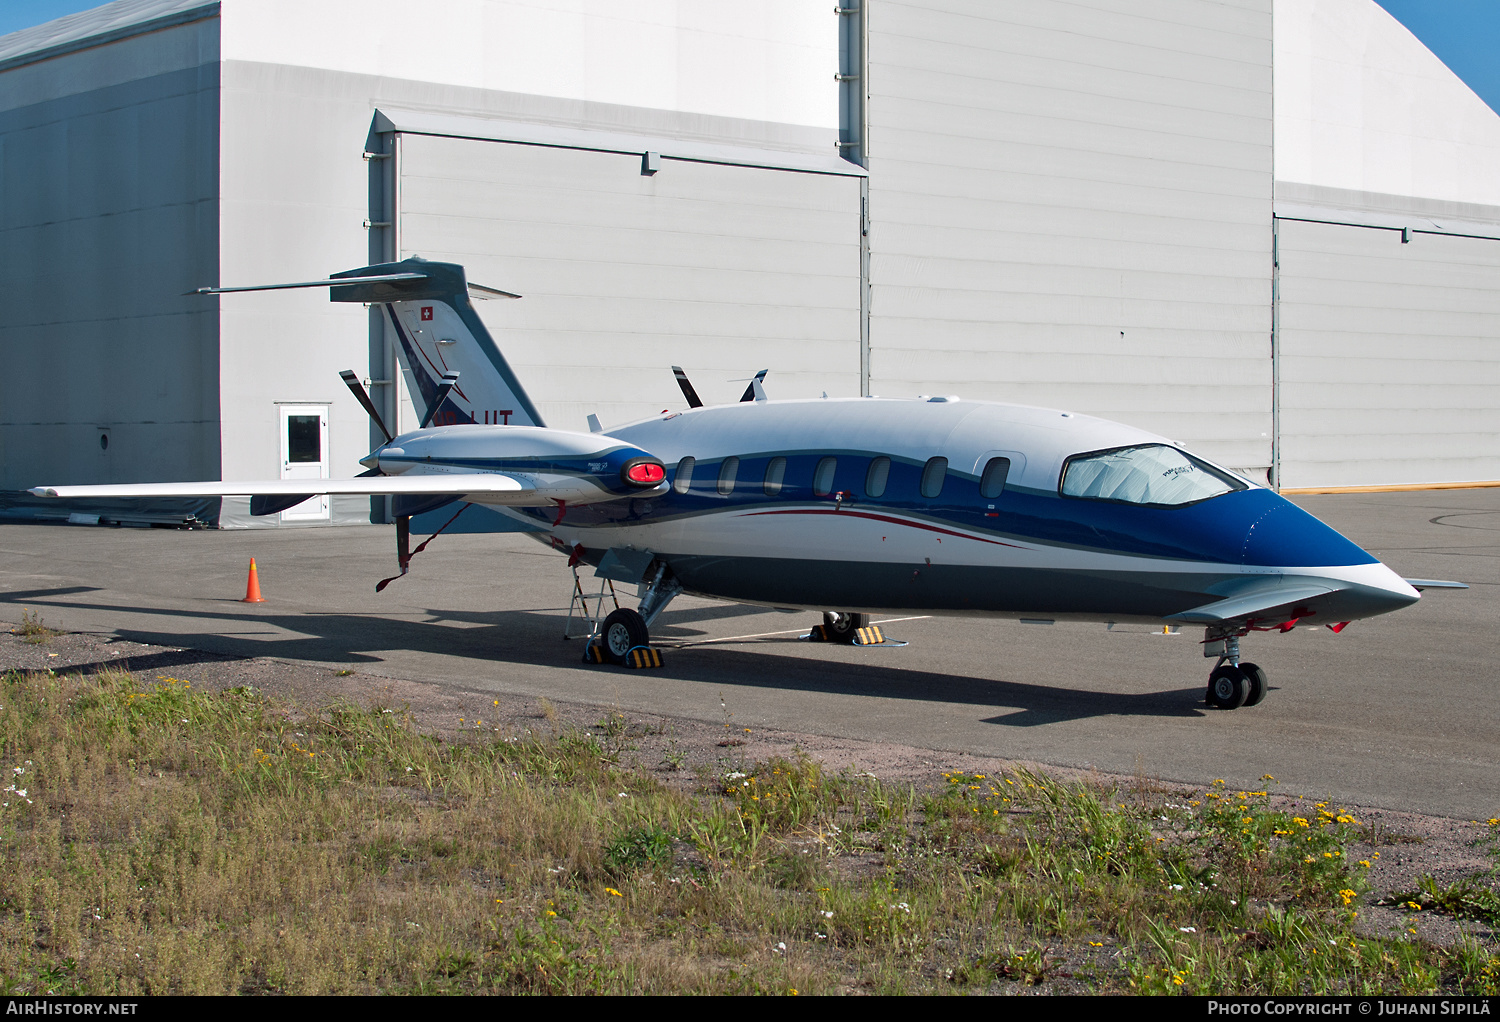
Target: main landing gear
627,629
1232,684
843,628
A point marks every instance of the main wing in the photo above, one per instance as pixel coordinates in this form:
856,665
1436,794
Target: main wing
492,487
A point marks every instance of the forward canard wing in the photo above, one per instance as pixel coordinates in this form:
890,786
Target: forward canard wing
1259,602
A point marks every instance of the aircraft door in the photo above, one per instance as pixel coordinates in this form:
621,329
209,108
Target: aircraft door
304,455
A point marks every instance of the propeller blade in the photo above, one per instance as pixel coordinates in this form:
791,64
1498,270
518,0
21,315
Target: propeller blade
352,382
749,394
687,388
449,379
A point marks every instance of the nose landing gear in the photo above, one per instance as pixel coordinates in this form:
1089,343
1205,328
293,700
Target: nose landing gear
1232,684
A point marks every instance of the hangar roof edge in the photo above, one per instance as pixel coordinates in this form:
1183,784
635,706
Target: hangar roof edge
110,23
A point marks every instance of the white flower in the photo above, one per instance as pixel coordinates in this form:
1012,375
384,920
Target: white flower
1188,929
780,947
21,792
826,915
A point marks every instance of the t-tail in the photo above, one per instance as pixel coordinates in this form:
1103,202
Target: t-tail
438,334
428,307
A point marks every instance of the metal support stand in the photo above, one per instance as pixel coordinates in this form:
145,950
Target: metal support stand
581,601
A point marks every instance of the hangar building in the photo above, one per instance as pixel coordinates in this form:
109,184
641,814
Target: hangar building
1267,228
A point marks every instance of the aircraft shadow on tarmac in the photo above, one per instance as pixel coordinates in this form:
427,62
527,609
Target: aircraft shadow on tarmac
532,637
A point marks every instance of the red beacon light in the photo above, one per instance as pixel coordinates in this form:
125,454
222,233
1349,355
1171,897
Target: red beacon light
644,473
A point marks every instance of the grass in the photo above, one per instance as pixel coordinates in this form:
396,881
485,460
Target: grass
157,839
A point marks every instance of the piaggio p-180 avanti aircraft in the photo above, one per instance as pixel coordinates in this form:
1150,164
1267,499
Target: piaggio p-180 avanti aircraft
848,506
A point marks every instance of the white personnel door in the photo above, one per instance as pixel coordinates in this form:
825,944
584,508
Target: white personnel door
304,455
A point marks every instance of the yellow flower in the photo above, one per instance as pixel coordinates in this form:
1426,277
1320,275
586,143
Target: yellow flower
611,890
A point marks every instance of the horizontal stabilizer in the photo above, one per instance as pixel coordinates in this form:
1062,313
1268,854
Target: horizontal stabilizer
375,279
1252,604
1432,583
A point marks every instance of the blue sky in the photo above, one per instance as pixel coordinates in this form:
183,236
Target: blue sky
1464,33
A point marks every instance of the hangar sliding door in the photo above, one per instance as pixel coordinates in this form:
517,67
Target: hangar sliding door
722,269
1389,356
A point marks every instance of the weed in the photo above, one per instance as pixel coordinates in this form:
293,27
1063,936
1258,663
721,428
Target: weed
673,758
32,629
639,848
1468,898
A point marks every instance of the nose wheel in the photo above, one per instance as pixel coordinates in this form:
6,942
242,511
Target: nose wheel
1234,684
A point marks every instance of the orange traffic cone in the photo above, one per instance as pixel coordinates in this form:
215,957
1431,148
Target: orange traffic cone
252,586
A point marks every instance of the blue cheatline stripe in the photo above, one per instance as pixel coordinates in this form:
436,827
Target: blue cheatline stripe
1245,527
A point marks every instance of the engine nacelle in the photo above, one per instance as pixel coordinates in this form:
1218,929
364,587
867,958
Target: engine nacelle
554,465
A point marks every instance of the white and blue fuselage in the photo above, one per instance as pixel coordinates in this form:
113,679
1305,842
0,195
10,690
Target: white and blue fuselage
785,504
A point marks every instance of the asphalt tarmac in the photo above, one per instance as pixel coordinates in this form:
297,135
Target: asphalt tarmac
1400,712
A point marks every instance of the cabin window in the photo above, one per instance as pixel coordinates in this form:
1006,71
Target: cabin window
992,483
684,477
933,475
775,473
823,477
727,473
877,477
1150,474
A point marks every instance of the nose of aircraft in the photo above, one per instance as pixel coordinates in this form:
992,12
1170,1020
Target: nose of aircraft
1285,536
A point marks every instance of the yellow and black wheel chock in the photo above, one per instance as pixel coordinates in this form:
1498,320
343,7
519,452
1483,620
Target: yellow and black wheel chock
637,657
870,636
643,656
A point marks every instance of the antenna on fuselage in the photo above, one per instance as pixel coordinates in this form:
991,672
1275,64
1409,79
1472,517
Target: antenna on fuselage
750,393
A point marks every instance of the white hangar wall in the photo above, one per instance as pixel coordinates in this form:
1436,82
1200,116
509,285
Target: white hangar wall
1070,206
722,268
1388,353
724,264
1389,368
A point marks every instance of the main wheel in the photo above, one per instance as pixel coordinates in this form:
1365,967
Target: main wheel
842,627
623,631
1258,684
1228,687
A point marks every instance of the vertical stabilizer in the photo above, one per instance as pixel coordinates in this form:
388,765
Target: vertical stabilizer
438,332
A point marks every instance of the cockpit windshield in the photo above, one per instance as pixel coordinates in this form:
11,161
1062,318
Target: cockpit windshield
1150,474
